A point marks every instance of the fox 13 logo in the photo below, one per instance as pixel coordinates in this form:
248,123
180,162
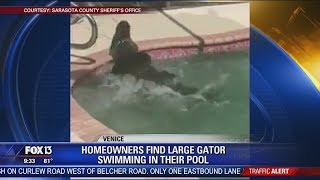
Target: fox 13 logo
38,150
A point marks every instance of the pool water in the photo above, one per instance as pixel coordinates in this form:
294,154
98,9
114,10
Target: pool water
131,106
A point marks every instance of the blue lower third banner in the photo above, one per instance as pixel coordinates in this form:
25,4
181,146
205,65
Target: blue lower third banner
140,159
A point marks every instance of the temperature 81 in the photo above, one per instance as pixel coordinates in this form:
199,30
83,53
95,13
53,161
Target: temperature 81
47,160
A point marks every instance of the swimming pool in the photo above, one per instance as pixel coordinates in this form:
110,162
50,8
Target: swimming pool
130,106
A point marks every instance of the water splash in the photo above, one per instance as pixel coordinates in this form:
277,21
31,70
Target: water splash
127,88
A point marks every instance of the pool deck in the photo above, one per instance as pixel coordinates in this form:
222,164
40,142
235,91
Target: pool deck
223,28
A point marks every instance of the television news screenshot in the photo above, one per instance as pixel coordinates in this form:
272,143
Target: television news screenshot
179,89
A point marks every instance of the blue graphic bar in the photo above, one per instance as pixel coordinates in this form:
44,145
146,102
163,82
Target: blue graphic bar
193,154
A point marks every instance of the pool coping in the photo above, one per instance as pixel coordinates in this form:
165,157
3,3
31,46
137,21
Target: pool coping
86,127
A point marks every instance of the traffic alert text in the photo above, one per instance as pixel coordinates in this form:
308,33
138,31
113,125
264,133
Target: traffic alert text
269,171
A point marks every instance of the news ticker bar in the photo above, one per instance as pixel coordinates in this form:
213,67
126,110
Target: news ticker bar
72,10
154,171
